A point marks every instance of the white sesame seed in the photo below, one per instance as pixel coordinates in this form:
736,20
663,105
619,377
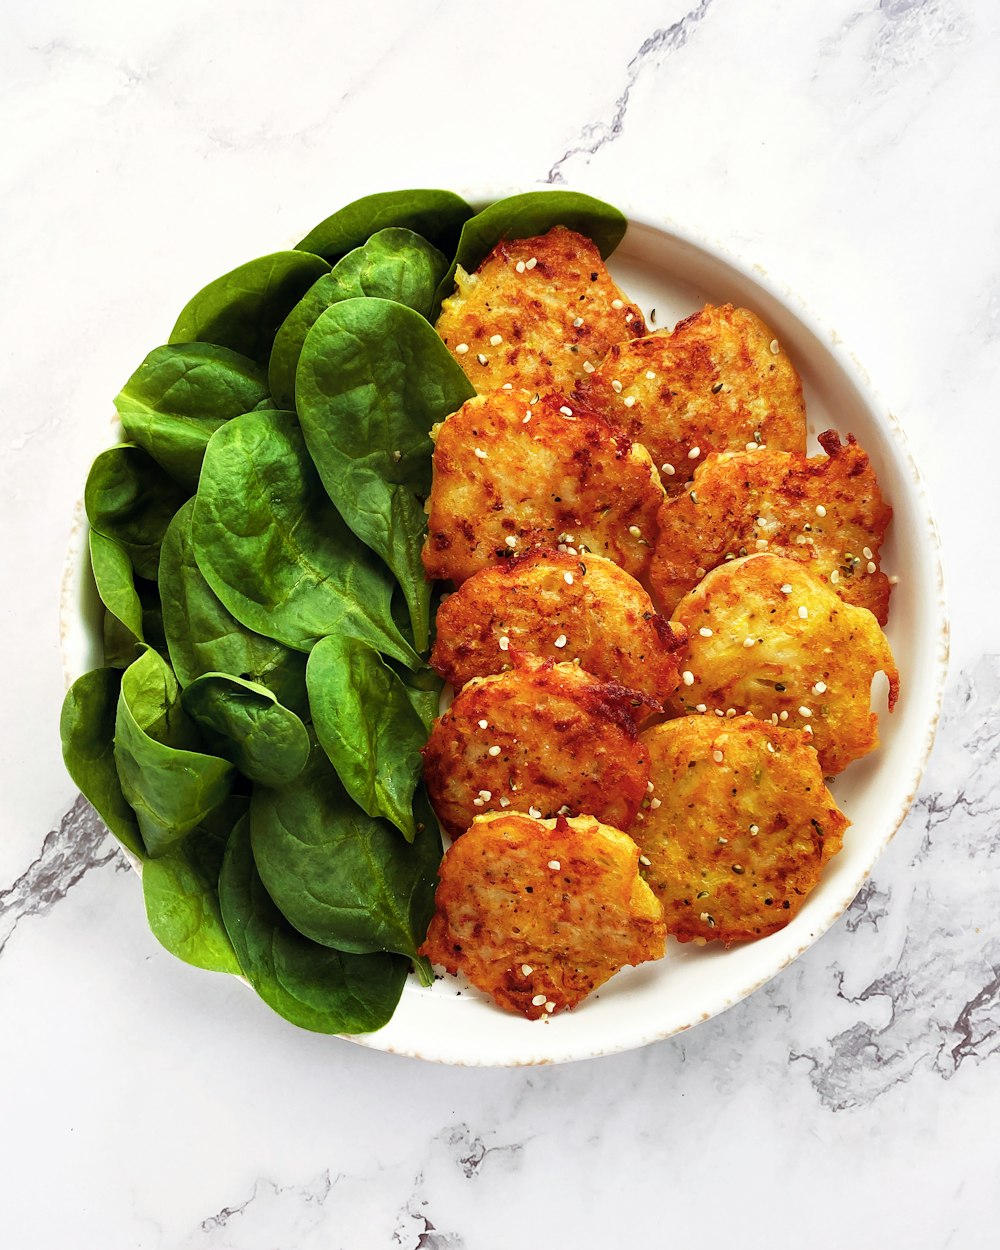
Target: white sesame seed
782,716
820,510
577,322
819,688
538,1000
807,729
520,266
774,718
550,1007
774,347
560,642
555,865
617,303
866,552
494,751
751,447
719,712
496,340
616,386
588,367
694,453
762,544
480,454
481,358
527,970
705,632
566,412
654,804
486,795
531,263
635,531
700,707
461,349
730,712
650,374
787,588
510,540
568,579
668,469
718,757
834,577
805,712
507,386
749,642
755,829
628,318
477,802
894,580
484,724
526,418
803,612
770,747
504,643
644,859
688,677
534,813
629,401
504,801
871,566
722,841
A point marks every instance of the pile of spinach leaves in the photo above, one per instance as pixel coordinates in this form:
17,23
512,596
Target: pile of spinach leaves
254,735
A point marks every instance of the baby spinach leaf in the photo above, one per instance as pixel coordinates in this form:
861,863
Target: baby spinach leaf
394,264
181,892
436,215
535,212
129,498
204,637
123,633
343,878
179,396
243,309
172,786
310,985
87,729
367,726
372,380
423,689
246,724
274,548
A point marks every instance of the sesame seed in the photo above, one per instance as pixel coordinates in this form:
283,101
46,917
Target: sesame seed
507,386
496,340
774,347
461,349
722,841
820,510
531,263
762,544
560,641
782,716
629,401
866,552
504,643
577,322
494,751
650,374
688,677
805,711
787,588
477,802
668,469
751,447
566,412
749,642
834,577
526,970
770,747
718,757
803,612
819,688
871,566
628,318
807,729
694,453
397,456
649,787
486,795
504,801
719,712
644,859
510,540
635,531
588,367
480,454
755,829
654,804
568,579
481,358
705,632
526,418
520,266
700,707
550,1007
555,865
534,813
705,916
617,303
616,386
538,1000
730,712
894,580
484,724
774,718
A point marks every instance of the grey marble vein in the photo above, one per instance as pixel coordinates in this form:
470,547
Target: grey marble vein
79,844
596,135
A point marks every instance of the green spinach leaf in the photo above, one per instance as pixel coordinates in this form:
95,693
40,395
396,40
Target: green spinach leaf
274,548
535,212
394,264
170,784
343,878
129,498
372,380
368,727
243,722
436,215
87,729
310,985
243,309
204,637
123,633
181,892
179,396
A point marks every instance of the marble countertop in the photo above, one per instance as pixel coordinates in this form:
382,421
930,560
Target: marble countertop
849,149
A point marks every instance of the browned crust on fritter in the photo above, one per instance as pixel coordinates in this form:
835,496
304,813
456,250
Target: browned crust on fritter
738,500
800,655
535,481
567,743
534,311
739,827
560,607
542,910
717,385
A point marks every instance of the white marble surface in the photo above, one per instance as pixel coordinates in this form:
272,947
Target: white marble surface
850,149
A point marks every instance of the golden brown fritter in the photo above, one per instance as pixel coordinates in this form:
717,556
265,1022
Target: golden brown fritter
561,607
542,738
513,470
767,637
739,827
717,383
537,313
825,510
539,913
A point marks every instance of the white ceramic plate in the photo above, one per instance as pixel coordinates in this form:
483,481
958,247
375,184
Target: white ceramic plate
667,269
